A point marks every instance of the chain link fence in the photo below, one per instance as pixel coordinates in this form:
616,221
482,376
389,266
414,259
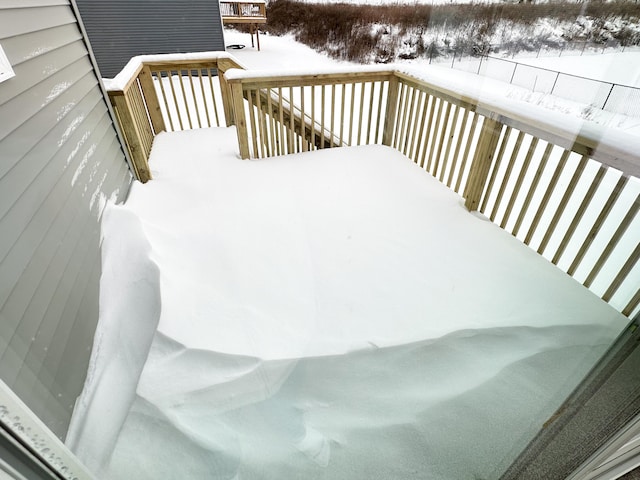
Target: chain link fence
611,97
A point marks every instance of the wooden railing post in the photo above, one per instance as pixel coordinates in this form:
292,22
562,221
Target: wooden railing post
151,100
227,102
391,110
481,165
132,135
240,118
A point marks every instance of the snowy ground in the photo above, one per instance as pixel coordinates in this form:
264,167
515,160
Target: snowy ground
622,67
325,315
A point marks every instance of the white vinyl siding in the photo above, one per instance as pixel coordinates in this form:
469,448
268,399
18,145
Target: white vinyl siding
60,161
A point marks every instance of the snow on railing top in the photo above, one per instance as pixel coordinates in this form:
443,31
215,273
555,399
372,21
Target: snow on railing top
616,148
132,68
238,74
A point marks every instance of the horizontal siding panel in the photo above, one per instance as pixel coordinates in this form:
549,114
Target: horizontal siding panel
68,135
121,29
61,307
53,290
24,198
42,234
17,21
30,46
28,158
32,3
61,160
31,73
33,102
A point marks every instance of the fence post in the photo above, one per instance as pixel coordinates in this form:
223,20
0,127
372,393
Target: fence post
240,118
123,110
608,95
555,82
482,160
391,110
151,99
514,72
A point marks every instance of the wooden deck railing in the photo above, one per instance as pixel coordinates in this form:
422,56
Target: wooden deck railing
169,93
570,197
243,12
567,194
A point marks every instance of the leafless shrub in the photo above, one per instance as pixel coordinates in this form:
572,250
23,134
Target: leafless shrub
367,33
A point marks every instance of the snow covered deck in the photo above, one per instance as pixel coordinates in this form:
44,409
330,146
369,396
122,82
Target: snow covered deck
332,314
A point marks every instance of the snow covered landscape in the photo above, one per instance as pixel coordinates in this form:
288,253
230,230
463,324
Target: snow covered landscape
336,314
611,67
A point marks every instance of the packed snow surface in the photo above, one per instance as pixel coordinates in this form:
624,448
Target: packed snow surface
336,314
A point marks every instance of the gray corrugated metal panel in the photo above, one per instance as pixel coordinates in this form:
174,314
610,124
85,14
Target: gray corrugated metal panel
16,181
32,45
121,29
33,102
45,231
17,21
31,73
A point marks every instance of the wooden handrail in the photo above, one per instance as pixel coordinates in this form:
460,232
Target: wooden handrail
531,174
504,158
144,106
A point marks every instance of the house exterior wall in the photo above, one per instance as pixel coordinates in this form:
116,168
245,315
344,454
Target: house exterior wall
121,29
60,161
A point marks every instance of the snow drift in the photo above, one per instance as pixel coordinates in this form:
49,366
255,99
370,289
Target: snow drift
336,314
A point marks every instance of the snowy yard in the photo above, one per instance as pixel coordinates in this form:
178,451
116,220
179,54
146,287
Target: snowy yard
622,68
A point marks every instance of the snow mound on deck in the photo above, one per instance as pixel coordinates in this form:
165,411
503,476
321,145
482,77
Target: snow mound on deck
339,315
129,313
399,412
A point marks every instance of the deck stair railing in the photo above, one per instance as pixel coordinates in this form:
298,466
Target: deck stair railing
571,197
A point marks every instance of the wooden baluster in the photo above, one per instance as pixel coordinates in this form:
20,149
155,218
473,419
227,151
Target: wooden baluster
452,133
613,242
465,155
456,153
151,99
595,228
